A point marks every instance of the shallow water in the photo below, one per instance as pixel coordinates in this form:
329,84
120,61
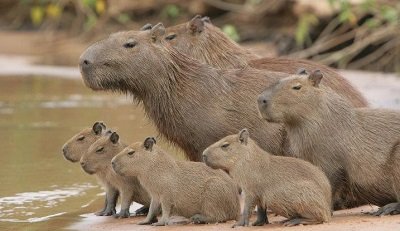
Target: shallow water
39,189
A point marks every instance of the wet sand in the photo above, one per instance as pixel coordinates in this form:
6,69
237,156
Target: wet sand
345,220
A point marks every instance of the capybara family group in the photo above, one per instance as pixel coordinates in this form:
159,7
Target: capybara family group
286,136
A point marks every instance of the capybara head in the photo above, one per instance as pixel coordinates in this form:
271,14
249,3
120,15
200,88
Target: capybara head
125,61
291,98
203,41
226,153
189,35
135,158
74,148
99,155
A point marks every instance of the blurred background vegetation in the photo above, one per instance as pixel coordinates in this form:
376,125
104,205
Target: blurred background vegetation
355,34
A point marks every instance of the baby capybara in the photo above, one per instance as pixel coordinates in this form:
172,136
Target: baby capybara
97,160
73,150
289,187
183,188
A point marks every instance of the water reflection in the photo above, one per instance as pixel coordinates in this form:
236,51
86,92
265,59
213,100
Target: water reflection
29,206
39,189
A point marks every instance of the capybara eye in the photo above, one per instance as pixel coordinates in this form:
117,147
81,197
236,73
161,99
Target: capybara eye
130,44
297,87
100,150
80,138
225,145
131,153
170,37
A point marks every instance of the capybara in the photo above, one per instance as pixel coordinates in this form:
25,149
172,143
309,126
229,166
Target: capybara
73,150
192,104
289,187
325,129
184,188
97,160
201,40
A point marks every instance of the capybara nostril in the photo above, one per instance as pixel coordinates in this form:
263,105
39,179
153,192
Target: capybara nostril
204,158
83,164
86,62
64,150
113,165
262,100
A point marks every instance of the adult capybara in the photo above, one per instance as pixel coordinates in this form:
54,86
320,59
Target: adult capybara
97,160
184,188
288,186
325,129
73,150
201,40
191,103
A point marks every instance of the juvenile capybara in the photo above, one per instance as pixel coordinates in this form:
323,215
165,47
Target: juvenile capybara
191,103
97,160
73,150
289,187
325,129
184,188
201,40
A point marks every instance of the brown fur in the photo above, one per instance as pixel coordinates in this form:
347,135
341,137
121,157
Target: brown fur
192,104
206,42
290,187
97,160
73,150
328,131
184,188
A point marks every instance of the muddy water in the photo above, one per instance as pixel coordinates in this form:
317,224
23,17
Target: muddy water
39,190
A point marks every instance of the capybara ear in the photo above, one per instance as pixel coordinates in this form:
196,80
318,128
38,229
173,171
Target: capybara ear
114,137
157,31
206,19
98,127
315,77
148,143
244,136
196,25
301,71
147,26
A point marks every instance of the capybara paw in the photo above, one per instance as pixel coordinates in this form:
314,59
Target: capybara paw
99,213
259,223
145,222
292,222
124,213
198,219
106,212
142,211
389,209
160,223
240,223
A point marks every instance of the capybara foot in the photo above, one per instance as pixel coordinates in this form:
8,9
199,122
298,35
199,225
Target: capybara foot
300,221
106,212
260,222
262,217
389,209
241,222
159,223
147,222
198,219
142,211
100,213
178,220
124,213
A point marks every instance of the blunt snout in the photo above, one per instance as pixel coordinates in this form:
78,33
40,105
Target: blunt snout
262,101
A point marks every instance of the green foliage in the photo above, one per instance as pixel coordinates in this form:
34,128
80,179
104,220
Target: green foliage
231,31
303,28
171,11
